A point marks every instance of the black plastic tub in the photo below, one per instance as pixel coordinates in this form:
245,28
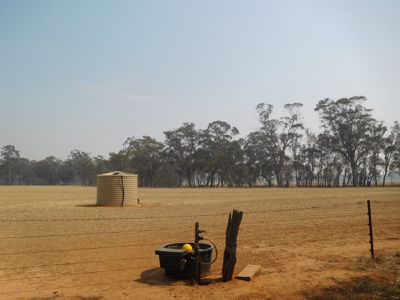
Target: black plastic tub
179,263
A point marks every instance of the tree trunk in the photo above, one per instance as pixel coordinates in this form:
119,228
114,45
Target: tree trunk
278,179
212,177
384,175
354,173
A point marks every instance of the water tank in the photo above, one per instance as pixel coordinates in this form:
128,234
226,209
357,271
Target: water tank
117,189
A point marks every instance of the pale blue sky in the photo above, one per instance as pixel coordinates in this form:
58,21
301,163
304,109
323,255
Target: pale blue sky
88,74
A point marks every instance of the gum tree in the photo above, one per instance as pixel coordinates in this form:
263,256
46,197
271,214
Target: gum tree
181,147
347,125
391,148
279,137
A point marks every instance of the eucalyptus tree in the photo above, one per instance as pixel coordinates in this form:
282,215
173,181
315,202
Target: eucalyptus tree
310,152
218,145
232,163
84,167
347,125
120,161
181,147
395,165
376,144
391,149
258,158
101,164
279,136
296,163
47,170
26,175
253,147
66,172
9,164
145,155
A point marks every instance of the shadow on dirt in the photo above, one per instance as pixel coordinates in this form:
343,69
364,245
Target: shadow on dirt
87,205
156,276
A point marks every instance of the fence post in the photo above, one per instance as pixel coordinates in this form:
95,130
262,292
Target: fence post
371,236
232,230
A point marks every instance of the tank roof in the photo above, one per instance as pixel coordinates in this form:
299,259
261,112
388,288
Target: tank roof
117,173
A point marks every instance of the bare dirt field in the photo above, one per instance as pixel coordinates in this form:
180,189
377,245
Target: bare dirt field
311,243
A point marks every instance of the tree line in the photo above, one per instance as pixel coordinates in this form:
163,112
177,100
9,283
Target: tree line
352,149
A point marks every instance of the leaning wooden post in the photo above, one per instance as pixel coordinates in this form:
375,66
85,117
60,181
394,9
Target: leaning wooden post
232,230
371,236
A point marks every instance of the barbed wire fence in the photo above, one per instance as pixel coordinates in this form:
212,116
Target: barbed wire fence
217,232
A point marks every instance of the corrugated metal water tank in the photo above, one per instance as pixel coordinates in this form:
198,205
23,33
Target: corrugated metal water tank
117,189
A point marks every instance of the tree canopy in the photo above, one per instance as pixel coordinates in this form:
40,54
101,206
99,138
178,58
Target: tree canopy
352,149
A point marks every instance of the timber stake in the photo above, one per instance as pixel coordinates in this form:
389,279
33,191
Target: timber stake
232,230
371,236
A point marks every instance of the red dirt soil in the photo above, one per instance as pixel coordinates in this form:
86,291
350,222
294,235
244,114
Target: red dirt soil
311,243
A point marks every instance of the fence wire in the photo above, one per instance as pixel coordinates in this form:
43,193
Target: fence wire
362,223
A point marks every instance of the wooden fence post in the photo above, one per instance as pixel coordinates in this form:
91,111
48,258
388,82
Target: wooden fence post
232,230
371,236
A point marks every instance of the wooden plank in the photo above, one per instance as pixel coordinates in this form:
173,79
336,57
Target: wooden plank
248,272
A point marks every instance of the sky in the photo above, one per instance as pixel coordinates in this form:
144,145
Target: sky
89,74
